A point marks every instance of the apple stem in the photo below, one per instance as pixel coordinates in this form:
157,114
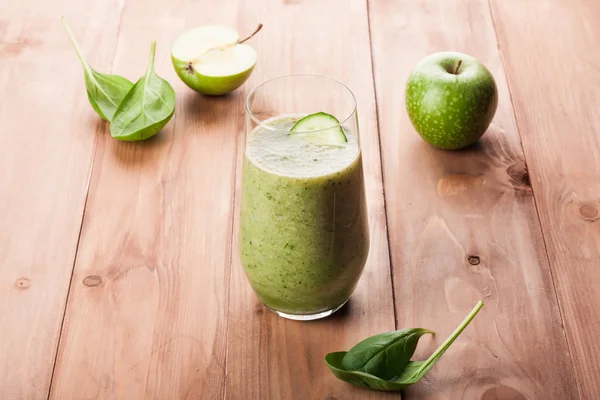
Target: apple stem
258,28
457,67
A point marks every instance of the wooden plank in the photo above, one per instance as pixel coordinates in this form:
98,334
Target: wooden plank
463,225
269,357
147,309
47,141
552,62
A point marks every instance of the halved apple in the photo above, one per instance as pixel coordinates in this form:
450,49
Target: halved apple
212,60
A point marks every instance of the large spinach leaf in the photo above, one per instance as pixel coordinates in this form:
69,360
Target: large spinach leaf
147,107
382,362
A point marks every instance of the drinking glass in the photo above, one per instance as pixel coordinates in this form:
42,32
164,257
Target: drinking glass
304,235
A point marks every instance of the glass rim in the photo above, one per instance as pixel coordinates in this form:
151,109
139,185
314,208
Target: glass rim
270,128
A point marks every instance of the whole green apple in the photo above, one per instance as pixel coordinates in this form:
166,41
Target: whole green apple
451,99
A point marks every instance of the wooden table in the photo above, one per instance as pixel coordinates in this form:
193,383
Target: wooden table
119,275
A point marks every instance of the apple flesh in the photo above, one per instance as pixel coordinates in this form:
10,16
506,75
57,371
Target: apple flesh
210,60
451,99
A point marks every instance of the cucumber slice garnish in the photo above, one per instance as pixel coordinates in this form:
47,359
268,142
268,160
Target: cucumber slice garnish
313,128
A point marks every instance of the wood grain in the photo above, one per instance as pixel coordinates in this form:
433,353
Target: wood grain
552,62
159,306
148,303
463,225
47,141
269,357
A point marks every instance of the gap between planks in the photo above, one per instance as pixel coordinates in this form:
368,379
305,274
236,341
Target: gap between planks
385,211
102,127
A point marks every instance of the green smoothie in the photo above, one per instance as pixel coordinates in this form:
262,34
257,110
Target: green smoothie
304,235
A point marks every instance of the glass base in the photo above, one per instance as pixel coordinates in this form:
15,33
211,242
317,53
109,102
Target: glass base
308,317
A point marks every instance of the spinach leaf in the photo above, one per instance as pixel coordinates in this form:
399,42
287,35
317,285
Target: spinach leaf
382,361
147,107
384,355
105,92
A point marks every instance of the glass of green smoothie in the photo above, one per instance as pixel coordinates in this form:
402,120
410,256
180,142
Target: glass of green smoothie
304,235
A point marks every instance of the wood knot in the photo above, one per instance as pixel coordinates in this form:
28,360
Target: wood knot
258,309
331,397
474,260
22,283
519,175
589,212
92,281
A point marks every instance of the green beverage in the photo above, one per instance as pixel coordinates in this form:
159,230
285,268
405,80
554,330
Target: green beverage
304,234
